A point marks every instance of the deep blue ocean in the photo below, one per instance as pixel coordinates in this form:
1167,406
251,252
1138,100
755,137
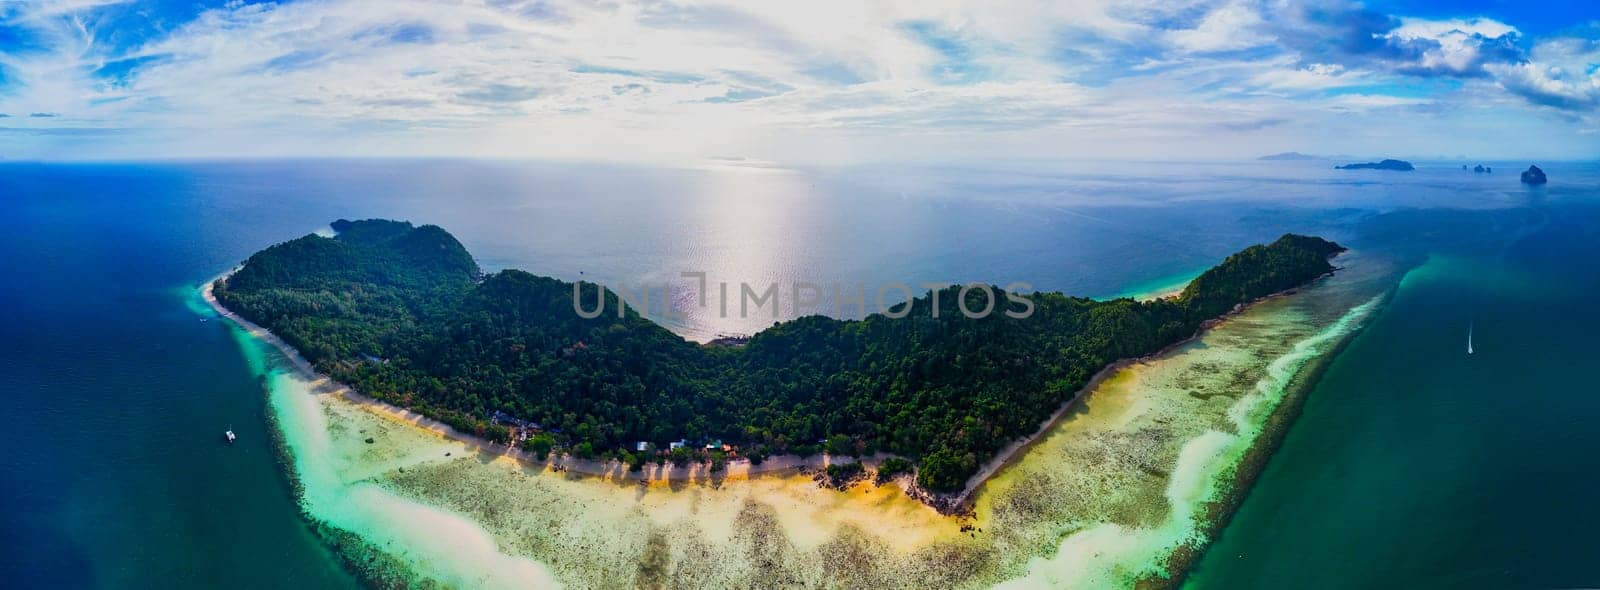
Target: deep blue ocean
1412,464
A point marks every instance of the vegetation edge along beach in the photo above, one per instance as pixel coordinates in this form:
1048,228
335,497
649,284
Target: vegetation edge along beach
404,316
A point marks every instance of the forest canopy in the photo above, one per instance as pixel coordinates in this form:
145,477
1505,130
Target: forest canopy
402,313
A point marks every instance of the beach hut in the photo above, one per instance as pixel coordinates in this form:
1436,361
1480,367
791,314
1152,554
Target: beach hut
505,419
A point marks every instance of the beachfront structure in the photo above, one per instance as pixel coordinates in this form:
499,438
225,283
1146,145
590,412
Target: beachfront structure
505,419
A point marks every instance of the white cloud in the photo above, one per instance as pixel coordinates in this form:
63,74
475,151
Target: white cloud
1562,73
1310,77
326,69
681,80
1417,28
1374,101
1231,26
1455,45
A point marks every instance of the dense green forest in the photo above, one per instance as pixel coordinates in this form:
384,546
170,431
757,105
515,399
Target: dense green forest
403,314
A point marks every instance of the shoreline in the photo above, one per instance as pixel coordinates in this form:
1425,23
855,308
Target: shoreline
1216,514
958,503
1017,448
1153,550
735,469
1159,295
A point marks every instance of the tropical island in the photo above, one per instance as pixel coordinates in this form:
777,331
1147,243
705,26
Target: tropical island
1289,157
1386,164
403,314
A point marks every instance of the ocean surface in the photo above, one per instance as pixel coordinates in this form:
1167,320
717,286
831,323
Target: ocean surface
1415,464
1412,464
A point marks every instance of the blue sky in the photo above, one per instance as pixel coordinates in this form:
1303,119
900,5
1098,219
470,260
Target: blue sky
801,82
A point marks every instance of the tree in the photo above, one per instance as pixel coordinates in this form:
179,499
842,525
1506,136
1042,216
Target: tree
892,467
402,313
945,471
496,433
840,445
680,456
540,445
583,450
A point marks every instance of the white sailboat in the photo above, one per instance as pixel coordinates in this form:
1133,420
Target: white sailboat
1469,337
229,434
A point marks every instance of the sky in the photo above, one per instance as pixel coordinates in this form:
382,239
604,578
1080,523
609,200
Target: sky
804,82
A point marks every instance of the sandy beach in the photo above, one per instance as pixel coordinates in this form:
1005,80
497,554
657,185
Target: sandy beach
962,498
1131,472
652,474
736,469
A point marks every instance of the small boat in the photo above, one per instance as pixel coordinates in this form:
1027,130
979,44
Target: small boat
229,435
1469,338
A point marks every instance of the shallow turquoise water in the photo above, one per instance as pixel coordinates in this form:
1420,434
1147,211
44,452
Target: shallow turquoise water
1415,464
113,394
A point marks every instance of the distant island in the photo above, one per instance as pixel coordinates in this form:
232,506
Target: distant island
403,314
1533,175
1289,156
1387,164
